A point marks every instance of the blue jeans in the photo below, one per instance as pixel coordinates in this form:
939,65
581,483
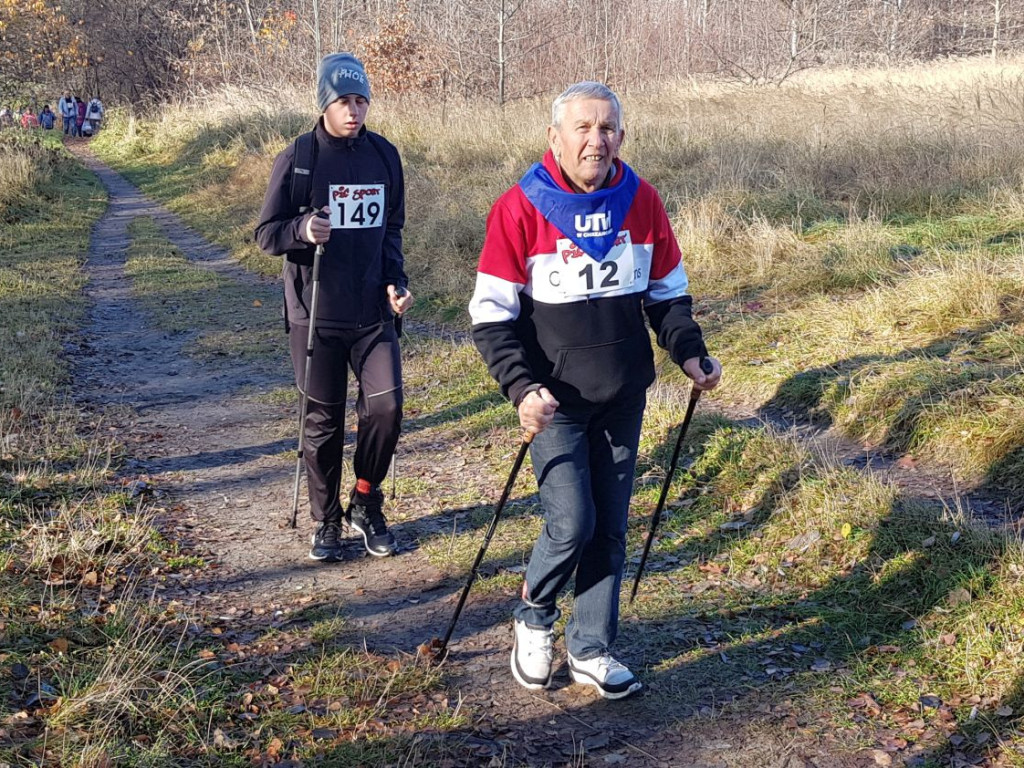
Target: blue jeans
68,124
584,463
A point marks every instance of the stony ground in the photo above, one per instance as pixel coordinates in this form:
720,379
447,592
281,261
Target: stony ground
208,450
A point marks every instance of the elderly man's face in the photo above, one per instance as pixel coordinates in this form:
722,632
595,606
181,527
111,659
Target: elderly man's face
586,142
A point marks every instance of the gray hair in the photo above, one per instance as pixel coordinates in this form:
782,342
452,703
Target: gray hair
588,89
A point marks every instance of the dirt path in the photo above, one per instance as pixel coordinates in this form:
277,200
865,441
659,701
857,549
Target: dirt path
200,435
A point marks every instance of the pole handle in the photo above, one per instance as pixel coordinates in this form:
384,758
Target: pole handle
400,291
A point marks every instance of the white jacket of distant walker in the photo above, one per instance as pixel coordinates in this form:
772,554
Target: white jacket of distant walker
95,110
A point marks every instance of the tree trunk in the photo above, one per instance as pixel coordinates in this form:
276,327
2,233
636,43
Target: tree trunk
501,53
997,7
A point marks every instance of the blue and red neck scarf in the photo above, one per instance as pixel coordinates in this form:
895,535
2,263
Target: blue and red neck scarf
590,219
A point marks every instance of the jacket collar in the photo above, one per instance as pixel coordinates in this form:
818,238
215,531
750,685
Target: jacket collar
338,142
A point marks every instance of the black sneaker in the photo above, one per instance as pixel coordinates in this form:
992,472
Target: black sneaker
326,542
365,517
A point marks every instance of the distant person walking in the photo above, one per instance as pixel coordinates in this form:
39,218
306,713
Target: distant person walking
29,119
68,113
79,116
94,112
6,117
46,118
356,210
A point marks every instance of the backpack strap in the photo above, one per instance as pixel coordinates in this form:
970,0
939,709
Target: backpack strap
374,142
302,171
304,162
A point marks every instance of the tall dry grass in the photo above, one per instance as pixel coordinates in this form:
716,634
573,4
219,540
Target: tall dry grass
744,171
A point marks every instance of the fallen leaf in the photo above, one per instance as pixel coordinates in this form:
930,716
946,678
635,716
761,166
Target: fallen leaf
959,596
60,645
221,741
880,757
846,530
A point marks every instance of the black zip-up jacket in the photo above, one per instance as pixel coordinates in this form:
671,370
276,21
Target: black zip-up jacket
358,263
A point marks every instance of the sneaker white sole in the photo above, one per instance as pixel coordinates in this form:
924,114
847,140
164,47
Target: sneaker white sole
366,544
522,680
584,679
327,558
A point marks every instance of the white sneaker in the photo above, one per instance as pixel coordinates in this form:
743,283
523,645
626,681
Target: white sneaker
531,655
612,679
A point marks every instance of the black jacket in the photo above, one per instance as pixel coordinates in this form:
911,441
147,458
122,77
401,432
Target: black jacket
358,263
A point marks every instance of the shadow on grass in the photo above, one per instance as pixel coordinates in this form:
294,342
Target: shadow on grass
451,413
907,398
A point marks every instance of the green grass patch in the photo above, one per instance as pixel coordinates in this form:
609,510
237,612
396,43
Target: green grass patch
229,319
45,219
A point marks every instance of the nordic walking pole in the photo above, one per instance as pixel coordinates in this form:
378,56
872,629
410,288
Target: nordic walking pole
706,366
440,649
307,369
399,292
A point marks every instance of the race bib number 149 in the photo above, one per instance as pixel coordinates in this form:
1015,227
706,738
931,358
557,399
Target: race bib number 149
356,206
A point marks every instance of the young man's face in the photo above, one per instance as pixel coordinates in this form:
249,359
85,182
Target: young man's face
345,116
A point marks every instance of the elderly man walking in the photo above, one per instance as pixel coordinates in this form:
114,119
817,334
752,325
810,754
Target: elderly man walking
575,255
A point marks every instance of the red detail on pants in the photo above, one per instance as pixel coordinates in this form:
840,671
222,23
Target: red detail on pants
363,486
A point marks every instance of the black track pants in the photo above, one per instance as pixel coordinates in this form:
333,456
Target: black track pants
373,355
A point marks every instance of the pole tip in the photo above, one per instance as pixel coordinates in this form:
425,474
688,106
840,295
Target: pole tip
431,652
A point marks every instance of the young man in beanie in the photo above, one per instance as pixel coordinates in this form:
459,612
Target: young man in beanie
356,211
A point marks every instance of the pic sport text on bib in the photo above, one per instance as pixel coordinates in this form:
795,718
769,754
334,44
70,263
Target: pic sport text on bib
356,206
584,275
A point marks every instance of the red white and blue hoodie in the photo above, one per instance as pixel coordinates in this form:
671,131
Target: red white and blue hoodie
563,284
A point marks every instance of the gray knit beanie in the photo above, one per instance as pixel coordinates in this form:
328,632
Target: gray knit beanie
338,75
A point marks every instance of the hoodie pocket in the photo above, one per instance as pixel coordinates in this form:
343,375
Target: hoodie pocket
602,372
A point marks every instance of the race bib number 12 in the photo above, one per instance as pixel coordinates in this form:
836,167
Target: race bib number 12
356,206
585,276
